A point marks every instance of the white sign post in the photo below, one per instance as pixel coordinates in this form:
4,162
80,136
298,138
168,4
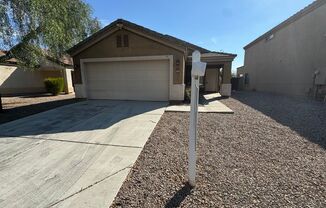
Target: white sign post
198,70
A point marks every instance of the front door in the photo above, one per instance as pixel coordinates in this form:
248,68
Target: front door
211,80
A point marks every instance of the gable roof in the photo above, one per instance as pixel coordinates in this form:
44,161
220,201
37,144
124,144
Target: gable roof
310,8
124,23
65,60
215,54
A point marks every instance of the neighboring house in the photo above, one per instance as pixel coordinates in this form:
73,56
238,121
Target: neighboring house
14,80
241,71
126,61
290,58
242,79
244,75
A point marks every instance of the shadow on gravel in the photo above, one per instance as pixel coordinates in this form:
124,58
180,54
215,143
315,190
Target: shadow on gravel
306,117
179,196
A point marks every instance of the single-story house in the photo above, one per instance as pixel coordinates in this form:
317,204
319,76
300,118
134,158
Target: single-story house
291,58
14,80
126,61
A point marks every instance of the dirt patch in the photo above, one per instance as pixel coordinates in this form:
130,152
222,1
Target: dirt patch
245,159
21,106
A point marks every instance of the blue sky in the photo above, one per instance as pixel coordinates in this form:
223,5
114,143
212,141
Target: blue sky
217,25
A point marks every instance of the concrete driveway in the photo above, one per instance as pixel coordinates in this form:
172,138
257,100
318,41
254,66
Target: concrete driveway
74,156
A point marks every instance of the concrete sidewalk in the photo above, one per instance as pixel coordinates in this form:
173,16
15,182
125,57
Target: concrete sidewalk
74,156
208,104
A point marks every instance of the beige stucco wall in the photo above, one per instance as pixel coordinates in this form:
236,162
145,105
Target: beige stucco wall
138,46
14,80
286,63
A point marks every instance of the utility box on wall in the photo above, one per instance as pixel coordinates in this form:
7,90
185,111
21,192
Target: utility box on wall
321,76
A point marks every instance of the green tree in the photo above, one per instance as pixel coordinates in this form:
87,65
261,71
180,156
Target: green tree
33,29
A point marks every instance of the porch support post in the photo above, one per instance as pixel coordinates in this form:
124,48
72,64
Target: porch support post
66,75
226,83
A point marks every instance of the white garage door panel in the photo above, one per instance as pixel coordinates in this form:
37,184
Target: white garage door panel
128,80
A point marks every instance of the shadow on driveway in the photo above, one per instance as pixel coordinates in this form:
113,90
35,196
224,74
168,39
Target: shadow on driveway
89,116
27,110
306,117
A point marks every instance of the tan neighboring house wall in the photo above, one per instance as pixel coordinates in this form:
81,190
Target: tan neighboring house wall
14,80
285,59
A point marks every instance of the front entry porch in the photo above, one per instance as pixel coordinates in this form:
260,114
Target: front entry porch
212,80
218,72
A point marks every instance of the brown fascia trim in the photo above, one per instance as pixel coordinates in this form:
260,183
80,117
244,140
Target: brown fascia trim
212,61
223,53
229,57
313,6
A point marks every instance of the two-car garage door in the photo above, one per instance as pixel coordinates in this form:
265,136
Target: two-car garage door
128,80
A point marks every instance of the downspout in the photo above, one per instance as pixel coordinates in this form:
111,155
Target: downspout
314,86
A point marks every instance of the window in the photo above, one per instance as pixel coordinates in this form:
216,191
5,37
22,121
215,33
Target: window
119,41
125,41
122,41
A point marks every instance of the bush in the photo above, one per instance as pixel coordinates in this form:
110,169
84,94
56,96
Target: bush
54,85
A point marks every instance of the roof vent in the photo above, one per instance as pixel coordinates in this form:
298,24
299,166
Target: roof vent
120,25
270,37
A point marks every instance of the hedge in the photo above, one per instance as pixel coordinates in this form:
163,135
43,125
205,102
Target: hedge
54,85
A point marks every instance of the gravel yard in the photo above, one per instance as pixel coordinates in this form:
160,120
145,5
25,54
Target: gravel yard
269,153
16,107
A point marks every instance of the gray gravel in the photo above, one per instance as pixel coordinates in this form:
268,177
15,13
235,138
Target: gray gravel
269,153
